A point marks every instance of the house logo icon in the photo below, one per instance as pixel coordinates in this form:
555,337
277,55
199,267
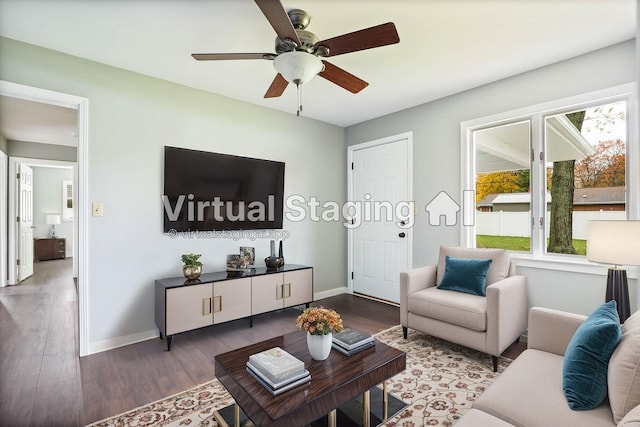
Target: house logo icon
442,206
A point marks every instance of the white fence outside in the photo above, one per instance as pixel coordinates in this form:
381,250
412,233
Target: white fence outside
519,223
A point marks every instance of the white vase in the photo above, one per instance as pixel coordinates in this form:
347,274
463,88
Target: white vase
319,345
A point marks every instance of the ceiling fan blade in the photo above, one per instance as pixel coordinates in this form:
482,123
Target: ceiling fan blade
279,19
278,85
224,56
380,35
342,78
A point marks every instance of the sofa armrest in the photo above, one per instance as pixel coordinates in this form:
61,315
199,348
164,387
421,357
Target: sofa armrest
551,330
507,306
412,281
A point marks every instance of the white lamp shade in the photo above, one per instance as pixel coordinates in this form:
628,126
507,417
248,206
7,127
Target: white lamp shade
52,219
298,66
614,242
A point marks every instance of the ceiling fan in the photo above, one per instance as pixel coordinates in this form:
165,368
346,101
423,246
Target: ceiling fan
298,51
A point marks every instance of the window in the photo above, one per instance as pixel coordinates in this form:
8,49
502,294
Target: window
503,173
542,173
67,200
585,173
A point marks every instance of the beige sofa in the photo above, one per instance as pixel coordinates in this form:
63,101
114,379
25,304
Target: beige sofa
529,392
488,323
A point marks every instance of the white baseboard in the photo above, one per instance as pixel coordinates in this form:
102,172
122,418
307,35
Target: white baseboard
331,293
111,343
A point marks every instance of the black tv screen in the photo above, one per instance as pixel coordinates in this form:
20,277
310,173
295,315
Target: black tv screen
206,191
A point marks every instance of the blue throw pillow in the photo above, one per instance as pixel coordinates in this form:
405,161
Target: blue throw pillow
586,360
465,275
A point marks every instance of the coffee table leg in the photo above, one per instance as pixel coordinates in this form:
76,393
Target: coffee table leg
331,418
237,415
366,409
385,401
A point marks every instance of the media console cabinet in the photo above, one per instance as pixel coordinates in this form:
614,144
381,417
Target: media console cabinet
223,296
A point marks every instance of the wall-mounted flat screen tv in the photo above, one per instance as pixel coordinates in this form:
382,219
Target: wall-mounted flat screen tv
206,191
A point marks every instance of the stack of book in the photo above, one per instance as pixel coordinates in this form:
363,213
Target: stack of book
277,370
350,341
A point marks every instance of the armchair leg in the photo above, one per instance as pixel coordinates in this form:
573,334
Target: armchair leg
518,340
494,359
404,332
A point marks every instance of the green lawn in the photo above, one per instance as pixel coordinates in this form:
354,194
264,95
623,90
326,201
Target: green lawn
513,243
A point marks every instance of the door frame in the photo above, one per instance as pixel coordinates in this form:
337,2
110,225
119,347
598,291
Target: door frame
4,174
81,247
363,146
12,234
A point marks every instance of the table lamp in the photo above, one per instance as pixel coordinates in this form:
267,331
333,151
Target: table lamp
52,220
616,243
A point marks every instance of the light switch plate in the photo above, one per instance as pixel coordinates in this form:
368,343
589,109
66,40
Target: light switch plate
96,209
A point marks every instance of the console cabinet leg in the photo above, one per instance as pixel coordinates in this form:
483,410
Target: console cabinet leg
251,321
169,339
161,336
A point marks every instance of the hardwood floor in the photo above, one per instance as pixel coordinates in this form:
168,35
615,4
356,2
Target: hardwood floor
44,383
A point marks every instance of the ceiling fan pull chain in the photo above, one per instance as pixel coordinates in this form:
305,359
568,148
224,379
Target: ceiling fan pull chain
299,89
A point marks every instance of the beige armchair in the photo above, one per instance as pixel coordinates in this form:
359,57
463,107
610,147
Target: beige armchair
488,323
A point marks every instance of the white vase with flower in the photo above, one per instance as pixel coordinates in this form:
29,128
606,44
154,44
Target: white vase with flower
319,323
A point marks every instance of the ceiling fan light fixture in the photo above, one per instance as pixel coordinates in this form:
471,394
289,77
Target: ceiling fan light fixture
298,67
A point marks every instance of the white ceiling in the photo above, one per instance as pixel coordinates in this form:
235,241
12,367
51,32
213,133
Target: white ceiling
446,46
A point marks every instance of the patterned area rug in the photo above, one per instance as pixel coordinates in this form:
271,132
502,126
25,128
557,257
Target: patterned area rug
441,382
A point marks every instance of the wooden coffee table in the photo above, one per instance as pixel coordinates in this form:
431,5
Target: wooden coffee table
334,381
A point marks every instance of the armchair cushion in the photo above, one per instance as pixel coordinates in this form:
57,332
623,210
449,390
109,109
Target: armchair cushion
584,370
465,310
465,275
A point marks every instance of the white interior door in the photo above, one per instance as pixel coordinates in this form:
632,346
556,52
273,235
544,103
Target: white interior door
25,222
380,245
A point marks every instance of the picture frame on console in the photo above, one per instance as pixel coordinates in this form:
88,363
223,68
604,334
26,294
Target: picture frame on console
247,257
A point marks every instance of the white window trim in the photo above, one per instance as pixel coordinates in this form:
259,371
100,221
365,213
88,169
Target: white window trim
538,258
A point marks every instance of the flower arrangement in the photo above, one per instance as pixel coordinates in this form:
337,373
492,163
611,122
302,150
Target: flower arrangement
320,321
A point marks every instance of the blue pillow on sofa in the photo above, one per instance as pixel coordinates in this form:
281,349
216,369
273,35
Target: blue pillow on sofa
586,360
465,275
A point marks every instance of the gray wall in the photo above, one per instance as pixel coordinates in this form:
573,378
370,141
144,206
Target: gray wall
436,151
47,199
35,150
131,118
3,144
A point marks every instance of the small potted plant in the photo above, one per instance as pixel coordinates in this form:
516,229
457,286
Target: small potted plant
192,268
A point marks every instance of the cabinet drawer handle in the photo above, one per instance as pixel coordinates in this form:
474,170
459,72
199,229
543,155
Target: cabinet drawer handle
206,306
279,292
288,285
218,305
